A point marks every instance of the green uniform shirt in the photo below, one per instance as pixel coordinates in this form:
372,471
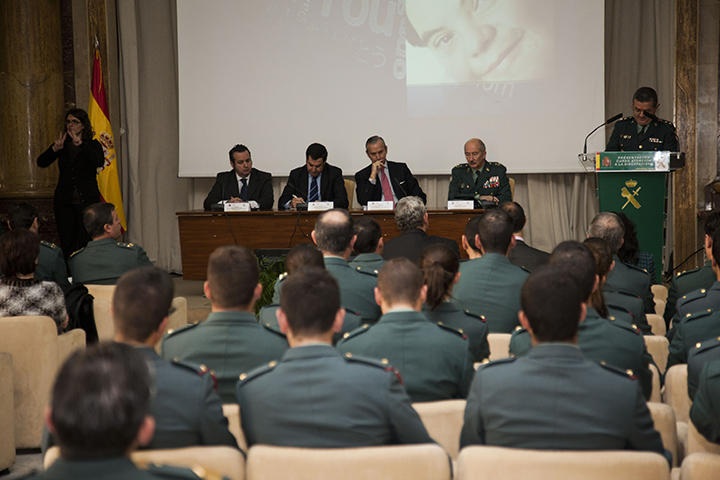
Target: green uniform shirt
371,262
103,262
659,135
686,282
491,179
474,326
691,331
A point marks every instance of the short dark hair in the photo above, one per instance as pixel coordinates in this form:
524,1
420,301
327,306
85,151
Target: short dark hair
551,300
472,227
496,231
142,299
368,233
373,140
439,265
310,298
646,94
716,247
603,261
303,255
99,401
96,216
239,148
609,227
334,234
19,250
87,133
232,274
516,213
410,213
712,224
315,151
579,262
22,215
400,280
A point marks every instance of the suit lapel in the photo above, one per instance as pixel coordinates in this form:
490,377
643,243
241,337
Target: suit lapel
232,186
253,184
325,183
304,182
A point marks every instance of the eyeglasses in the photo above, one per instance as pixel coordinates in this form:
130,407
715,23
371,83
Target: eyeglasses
72,122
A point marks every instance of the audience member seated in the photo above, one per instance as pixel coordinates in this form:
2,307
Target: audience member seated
412,219
334,237
439,265
703,277
368,245
554,398
489,286
471,246
316,181
705,411
242,184
623,278
20,293
522,254
434,360
230,341
314,397
100,413
103,261
702,353
51,262
630,253
602,338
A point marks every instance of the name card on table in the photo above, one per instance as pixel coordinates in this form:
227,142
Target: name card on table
320,206
371,206
237,207
461,204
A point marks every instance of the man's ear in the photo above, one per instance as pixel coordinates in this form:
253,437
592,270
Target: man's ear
456,279
163,325
352,241
339,320
478,244
524,322
257,293
282,321
583,311
146,432
312,235
465,244
47,417
378,296
380,246
206,290
423,294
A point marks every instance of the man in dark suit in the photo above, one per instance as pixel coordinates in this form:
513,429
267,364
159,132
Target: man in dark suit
316,181
242,184
412,219
641,132
522,255
384,180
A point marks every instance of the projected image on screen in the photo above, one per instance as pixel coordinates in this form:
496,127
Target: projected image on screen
471,41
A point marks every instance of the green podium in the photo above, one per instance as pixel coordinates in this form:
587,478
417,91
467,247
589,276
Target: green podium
636,183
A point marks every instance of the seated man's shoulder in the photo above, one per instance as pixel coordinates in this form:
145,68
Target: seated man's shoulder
496,167
51,246
354,335
261,174
636,272
696,318
689,300
247,378
364,274
452,334
181,334
624,324
461,167
497,367
128,246
703,352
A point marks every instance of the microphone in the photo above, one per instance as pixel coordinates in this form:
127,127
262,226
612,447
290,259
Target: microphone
400,185
607,122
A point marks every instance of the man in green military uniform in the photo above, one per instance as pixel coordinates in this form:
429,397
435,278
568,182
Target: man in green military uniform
230,341
434,360
490,285
554,398
478,179
703,353
368,245
100,413
315,398
704,413
103,261
692,331
643,131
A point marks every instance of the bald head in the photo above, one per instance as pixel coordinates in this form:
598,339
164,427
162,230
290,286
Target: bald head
333,232
475,153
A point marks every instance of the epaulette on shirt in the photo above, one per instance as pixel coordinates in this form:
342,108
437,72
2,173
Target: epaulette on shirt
247,376
270,328
177,331
282,276
356,332
456,331
694,295
475,315
76,252
494,363
637,268
370,271
696,315
686,271
624,373
125,245
193,367
462,165
666,122
384,364
632,328
48,244
706,345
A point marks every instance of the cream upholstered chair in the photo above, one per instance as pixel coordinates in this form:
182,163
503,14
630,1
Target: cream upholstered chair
660,306
7,410
350,189
396,462
498,463
206,462
664,420
696,443
700,466
37,353
660,292
499,345
657,346
676,395
511,181
232,413
656,395
105,292
657,324
443,420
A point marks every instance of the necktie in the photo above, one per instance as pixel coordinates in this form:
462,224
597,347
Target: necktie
387,191
243,190
313,190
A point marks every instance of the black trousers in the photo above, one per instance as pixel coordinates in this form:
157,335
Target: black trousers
72,233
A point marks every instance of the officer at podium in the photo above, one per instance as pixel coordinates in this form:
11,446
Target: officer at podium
641,132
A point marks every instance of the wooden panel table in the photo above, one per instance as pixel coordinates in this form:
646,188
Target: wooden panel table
202,232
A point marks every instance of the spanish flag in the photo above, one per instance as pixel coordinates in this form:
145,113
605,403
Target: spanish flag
107,176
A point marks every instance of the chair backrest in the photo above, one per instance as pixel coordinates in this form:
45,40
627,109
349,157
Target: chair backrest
676,392
350,189
499,345
497,463
696,443
105,292
655,396
232,413
177,319
657,324
660,306
657,346
700,466
443,420
7,412
660,292
664,420
219,462
511,181
397,462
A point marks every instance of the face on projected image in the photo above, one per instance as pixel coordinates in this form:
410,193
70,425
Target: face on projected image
480,40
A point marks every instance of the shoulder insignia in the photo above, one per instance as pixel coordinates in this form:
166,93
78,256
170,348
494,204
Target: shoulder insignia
461,165
48,244
694,295
194,367
707,344
172,332
518,328
349,357
695,315
457,331
76,252
256,372
475,315
687,271
624,373
269,327
125,245
633,267
371,273
489,364
282,276
632,328
356,332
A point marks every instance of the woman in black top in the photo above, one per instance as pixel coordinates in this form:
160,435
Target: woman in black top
79,157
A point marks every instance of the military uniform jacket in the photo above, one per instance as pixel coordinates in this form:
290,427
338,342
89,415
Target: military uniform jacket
629,279
686,282
474,326
434,361
555,399
691,331
705,411
490,286
696,301
605,341
492,180
659,135
706,352
118,468
103,262
371,262
267,317
527,257
316,398
357,288
628,303
226,186
228,343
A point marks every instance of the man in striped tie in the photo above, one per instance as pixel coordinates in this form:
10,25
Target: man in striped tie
316,181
